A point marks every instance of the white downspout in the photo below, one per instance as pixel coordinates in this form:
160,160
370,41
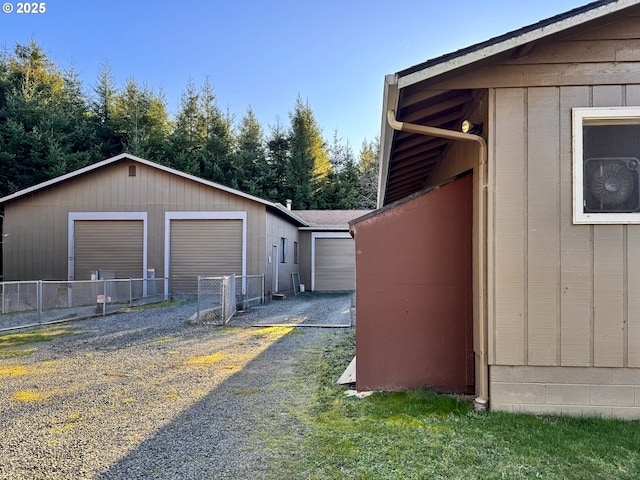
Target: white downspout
482,391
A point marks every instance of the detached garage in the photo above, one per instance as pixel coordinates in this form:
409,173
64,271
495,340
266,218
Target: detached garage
127,217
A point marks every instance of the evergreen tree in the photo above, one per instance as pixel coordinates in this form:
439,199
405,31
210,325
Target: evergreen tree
341,189
109,136
217,158
44,129
141,119
369,166
188,136
251,160
277,162
309,165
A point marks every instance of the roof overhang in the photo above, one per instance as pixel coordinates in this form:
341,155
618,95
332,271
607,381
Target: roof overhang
419,95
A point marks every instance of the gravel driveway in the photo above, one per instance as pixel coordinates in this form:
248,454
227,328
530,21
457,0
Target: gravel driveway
146,395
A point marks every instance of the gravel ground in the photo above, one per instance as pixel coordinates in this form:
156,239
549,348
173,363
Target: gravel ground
146,395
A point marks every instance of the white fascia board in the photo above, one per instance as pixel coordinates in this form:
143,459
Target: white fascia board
390,101
512,42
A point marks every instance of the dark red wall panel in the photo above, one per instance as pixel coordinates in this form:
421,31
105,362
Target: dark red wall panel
414,293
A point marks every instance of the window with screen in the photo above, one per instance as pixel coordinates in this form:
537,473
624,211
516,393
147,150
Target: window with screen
606,165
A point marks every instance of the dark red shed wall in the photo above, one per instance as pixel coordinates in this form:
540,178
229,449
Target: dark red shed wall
414,293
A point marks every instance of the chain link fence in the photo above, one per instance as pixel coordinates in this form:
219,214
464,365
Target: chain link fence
28,304
220,297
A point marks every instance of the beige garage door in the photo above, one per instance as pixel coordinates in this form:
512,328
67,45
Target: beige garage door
115,247
335,264
209,248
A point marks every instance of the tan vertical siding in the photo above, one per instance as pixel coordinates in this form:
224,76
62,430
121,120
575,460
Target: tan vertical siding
510,234
569,289
609,245
576,255
633,269
543,229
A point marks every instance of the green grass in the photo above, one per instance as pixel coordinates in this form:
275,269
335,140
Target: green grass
148,306
12,340
422,435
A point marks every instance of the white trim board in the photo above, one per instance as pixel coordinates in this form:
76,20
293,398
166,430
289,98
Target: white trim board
579,115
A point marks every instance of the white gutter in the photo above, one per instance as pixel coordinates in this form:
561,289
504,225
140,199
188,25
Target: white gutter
479,287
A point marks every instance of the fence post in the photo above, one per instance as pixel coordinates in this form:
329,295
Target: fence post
130,291
262,289
104,299
224,299
39,300
198,300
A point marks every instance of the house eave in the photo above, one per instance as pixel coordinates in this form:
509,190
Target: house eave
509,41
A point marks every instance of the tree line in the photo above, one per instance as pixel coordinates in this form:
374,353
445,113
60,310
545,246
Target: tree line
51,125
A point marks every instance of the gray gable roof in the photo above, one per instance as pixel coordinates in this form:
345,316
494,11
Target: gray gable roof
126,156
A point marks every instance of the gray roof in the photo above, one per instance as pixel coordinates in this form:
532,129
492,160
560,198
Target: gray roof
126,156
327,219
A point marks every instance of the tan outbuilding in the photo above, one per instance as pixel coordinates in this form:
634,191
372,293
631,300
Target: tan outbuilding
550,157
127,217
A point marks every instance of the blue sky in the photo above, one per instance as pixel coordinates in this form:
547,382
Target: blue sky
263,54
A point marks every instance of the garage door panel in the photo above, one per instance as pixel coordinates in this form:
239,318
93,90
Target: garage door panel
335,267
204,247
115,247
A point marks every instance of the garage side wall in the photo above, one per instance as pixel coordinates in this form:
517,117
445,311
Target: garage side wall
37,224
281,237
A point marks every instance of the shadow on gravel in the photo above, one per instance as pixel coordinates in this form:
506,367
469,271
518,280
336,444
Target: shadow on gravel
210,439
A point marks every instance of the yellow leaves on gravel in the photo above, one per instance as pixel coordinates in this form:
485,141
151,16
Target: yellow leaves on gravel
30,395
205,360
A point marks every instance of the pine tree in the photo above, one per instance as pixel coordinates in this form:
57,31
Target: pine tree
250,159
369,165
44,129
341,189
277,163
188,136
141,118
309,165
110,139
217,158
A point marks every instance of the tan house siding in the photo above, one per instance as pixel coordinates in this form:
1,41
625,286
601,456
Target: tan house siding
565,293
